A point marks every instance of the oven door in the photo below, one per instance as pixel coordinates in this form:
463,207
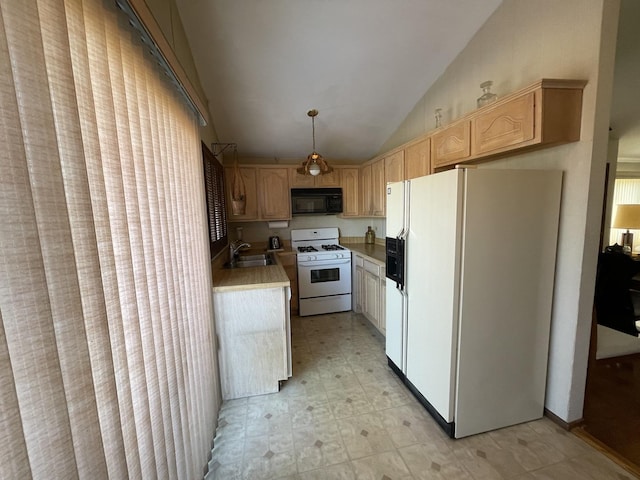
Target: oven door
321,278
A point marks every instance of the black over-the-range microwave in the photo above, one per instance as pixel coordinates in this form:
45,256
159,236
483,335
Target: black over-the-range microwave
318,201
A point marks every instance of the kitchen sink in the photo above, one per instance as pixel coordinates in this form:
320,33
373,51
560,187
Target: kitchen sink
259,260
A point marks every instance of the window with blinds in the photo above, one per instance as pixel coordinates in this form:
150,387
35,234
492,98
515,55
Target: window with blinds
216,205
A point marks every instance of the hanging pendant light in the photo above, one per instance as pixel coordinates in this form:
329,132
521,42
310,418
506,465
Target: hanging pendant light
314,164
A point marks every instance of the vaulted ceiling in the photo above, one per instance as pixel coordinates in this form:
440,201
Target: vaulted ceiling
362,63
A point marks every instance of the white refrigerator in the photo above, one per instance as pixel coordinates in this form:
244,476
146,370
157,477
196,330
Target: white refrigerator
468,327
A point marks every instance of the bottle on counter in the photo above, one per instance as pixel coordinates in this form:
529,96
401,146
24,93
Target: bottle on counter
370,236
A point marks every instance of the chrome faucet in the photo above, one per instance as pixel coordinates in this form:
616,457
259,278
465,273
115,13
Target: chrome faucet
234,248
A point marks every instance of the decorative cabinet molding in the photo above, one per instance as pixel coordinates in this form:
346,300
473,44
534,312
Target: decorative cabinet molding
451,144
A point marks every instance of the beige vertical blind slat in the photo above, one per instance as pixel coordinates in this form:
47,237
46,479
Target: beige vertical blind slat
94,218
112,234
165,273
107,365
153,245
176,284
142,253
14,458
79,241
24,292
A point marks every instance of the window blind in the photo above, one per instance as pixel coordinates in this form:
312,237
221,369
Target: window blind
107,361
216,203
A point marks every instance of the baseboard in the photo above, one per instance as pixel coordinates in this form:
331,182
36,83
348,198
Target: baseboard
561,423
605,450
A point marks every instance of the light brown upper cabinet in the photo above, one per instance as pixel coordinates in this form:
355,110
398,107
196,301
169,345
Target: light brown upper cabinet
394,167
350,198
416,160
544,114
300,181
504,126
249,178
273,184
451,144
378,188
366,205
308,181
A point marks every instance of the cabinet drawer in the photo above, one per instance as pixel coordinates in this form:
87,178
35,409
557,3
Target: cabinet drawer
372,267
358,260
504,126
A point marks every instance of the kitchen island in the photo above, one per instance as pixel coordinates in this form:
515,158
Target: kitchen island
253,329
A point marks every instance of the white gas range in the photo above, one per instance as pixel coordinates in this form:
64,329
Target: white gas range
324,271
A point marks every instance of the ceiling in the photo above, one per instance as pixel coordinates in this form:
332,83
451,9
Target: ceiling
363,64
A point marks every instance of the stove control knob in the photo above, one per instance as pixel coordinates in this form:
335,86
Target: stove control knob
338,255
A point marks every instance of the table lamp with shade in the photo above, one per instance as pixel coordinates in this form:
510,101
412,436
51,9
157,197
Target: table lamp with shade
627,217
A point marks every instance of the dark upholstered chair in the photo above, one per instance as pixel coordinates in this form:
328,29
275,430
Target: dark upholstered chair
615,297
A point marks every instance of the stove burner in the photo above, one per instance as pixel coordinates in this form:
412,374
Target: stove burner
307,249
332,247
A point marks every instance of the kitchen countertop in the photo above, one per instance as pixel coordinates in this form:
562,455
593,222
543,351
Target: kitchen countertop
375,251
250,278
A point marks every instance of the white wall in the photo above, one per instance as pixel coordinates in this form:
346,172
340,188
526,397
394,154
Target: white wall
349,227
522,42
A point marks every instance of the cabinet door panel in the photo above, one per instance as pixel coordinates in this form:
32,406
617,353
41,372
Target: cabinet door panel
274,188
372,297
451,144
394,167
417,160
378,190
366,207
504,126
350,199
300,181
329,180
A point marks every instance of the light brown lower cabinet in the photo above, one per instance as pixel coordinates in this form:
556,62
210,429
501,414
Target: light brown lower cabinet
368,289
253,337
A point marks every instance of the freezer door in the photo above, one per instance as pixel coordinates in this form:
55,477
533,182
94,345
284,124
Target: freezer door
396,309
432,262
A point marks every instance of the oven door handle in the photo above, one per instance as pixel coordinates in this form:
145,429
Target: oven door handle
323,263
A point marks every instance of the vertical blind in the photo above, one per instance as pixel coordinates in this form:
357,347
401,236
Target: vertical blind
106,340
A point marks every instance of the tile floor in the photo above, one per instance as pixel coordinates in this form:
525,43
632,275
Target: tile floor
345,415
